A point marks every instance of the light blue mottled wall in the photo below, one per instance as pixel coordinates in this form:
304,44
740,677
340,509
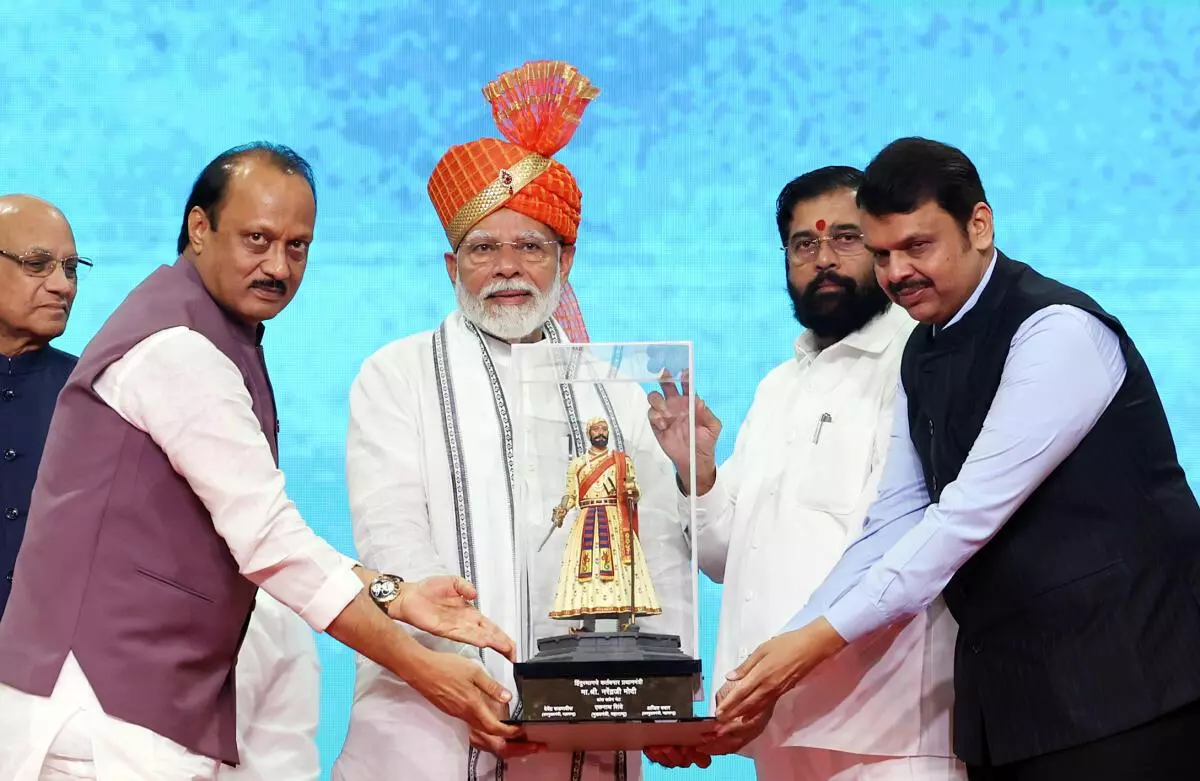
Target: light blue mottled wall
1083,118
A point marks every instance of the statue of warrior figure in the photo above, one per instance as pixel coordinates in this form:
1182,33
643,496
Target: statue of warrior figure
604,572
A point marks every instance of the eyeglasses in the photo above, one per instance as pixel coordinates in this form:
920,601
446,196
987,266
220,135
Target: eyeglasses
805,249
533,252
43,264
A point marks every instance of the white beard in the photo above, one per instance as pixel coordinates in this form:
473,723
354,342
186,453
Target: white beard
509,322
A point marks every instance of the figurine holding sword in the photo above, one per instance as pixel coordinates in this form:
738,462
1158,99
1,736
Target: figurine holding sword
603,573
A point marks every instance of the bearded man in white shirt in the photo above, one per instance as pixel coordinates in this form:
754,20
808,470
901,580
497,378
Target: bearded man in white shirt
160,510
775,518
430,446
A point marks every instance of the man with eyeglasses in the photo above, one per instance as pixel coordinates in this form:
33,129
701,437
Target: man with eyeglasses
1033,482
432,417
774,518
39,275
160,510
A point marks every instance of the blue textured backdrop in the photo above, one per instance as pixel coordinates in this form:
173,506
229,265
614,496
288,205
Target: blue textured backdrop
1082,117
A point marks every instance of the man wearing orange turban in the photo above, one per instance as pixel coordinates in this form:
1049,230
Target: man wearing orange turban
537,108
432,468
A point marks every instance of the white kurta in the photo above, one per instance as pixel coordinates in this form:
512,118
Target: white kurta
793,495
278,698
404,517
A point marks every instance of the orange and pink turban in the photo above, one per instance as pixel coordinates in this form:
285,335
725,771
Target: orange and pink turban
537,108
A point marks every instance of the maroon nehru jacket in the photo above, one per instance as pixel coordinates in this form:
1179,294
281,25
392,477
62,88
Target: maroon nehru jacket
121,564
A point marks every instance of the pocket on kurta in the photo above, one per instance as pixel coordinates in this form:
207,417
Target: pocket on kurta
835,467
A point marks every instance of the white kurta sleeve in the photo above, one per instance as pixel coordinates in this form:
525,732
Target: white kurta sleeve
183,392
716,509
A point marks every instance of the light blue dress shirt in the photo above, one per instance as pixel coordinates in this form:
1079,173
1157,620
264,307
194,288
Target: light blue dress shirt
1064,368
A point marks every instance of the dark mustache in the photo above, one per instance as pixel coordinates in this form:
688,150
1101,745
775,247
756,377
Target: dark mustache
831,276
270,284
896,288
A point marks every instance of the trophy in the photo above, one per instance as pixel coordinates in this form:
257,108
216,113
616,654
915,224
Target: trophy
607,652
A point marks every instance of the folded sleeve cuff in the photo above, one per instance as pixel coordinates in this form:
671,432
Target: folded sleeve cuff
855,616
713,502
338,591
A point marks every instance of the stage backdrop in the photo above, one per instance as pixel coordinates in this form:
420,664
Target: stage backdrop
1082,118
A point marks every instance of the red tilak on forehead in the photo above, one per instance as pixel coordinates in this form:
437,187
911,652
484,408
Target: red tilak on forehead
820,225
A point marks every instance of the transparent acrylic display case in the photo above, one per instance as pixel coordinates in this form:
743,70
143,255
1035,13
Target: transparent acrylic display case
608,649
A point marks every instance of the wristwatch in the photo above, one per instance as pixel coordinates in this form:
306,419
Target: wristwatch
384,589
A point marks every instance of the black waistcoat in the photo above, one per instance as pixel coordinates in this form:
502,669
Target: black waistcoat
1081,617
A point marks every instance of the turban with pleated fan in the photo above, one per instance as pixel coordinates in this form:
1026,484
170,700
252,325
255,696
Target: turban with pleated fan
537,108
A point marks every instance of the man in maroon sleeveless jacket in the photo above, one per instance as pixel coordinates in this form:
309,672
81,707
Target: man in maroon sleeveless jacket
160,509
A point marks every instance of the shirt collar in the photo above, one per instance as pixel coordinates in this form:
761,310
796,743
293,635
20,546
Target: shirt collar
987,275
25,363
873,338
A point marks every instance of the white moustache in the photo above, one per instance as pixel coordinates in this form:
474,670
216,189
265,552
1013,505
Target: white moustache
508,286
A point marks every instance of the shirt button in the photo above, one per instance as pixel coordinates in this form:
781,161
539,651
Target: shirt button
8,394
10,454
8,577
12,513
749,596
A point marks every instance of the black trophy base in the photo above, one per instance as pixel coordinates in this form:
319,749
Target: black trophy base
609,690
569,736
